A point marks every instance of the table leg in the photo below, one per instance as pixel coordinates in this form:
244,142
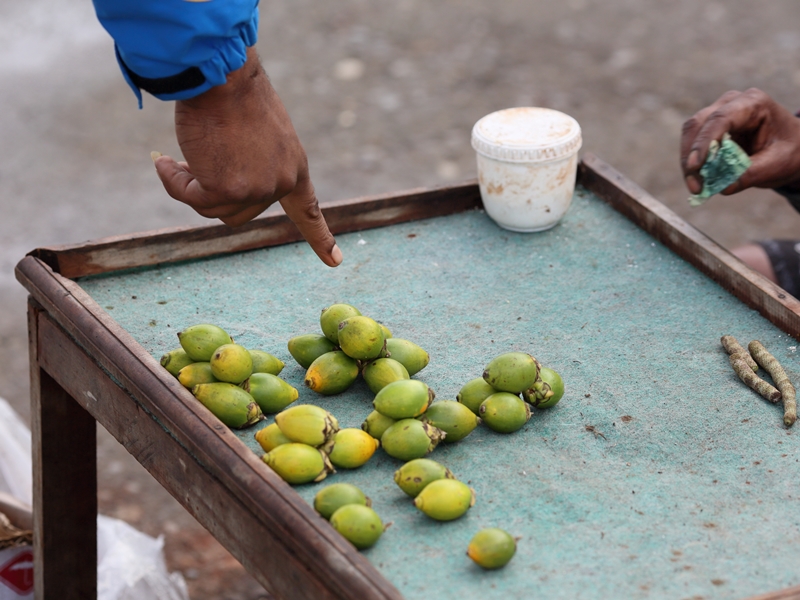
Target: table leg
64,445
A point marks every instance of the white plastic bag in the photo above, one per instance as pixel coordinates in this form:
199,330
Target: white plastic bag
15,455
130,564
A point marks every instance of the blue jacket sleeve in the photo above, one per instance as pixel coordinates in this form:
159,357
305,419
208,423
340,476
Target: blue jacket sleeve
178,49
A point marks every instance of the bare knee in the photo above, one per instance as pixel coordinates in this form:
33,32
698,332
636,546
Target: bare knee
755,257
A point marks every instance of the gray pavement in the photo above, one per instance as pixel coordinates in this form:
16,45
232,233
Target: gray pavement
383,95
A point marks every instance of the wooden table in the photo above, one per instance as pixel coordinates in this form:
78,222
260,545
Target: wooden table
86,367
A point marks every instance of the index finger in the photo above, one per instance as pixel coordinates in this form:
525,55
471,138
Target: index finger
302,207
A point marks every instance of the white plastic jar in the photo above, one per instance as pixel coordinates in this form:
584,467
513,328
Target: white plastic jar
527,164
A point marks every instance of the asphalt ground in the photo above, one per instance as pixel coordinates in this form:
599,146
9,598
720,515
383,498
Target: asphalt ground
383,96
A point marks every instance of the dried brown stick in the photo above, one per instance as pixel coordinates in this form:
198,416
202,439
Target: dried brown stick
771,365
753,381
732,346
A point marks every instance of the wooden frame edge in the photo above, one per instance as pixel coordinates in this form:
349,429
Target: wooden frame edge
752,288
150,248
252,482
792,593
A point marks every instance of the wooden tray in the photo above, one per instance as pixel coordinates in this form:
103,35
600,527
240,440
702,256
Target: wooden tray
568,295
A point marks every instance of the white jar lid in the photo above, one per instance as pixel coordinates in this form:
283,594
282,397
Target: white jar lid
526,134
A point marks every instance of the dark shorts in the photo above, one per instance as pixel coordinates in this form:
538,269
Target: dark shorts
785,258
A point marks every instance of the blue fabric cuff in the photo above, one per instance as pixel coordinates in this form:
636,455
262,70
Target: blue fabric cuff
176,49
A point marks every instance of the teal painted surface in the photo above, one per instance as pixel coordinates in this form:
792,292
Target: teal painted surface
695,495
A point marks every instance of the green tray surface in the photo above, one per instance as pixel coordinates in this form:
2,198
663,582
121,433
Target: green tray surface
686,488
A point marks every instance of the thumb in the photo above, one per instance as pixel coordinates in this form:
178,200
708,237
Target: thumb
302,208
178,180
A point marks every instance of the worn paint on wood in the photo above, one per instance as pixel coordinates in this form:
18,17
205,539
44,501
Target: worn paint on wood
185,243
